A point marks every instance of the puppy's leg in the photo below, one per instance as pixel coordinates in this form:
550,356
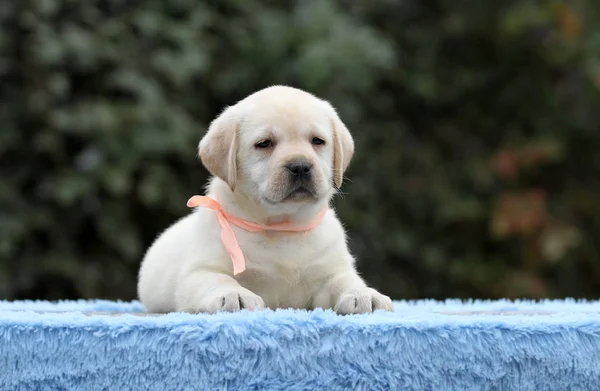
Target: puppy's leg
347,293
210,291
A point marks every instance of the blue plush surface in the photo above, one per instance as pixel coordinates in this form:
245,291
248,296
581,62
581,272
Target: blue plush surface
414,348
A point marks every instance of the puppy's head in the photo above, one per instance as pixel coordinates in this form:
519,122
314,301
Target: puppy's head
279,145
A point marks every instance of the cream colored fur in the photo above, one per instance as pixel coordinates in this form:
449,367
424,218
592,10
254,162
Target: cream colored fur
187,267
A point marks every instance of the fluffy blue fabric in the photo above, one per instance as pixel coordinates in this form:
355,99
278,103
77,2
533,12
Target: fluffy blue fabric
422,346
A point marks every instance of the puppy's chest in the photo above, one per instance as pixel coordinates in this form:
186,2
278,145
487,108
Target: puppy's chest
269,249
282,268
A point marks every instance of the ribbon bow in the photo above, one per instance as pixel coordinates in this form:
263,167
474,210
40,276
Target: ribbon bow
228,236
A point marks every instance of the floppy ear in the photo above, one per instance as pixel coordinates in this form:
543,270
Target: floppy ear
218,148
343,150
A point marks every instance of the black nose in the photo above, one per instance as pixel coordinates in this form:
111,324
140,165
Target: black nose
299,170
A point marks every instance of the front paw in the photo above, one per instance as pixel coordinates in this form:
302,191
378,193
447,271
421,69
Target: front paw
235,301
362,301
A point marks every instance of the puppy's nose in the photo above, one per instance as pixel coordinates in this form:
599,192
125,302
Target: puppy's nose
299,169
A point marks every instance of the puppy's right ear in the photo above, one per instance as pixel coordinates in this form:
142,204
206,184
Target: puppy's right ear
218,148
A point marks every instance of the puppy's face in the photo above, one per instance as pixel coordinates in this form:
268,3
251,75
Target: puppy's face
280,145
285,153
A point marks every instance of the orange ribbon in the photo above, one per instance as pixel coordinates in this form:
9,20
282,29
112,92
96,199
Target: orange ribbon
228,236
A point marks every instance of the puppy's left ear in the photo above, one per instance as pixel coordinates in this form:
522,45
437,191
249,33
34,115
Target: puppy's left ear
218,148
343,149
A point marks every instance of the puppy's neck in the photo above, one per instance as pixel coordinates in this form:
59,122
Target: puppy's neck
244,207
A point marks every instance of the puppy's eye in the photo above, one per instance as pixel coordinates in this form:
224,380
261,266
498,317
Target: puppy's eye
318,141
264,144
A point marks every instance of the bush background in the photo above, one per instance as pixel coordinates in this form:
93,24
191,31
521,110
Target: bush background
477,129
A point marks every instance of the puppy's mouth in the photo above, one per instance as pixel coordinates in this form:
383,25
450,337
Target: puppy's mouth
299,194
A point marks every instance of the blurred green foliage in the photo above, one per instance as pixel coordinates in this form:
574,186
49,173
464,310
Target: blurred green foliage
476,123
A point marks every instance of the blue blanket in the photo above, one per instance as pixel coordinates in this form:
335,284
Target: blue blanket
497,345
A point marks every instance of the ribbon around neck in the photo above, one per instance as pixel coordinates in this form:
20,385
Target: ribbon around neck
228,236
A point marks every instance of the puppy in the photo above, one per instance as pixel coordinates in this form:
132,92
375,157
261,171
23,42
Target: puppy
277,158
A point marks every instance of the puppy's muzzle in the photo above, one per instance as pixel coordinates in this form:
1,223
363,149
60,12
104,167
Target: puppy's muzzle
300,172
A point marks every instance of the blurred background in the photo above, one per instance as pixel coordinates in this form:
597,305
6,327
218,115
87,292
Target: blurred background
477,127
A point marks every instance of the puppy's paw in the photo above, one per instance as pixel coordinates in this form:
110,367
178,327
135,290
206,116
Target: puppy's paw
362,301
235,301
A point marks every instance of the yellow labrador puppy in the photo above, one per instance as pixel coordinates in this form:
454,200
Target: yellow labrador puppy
277,158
